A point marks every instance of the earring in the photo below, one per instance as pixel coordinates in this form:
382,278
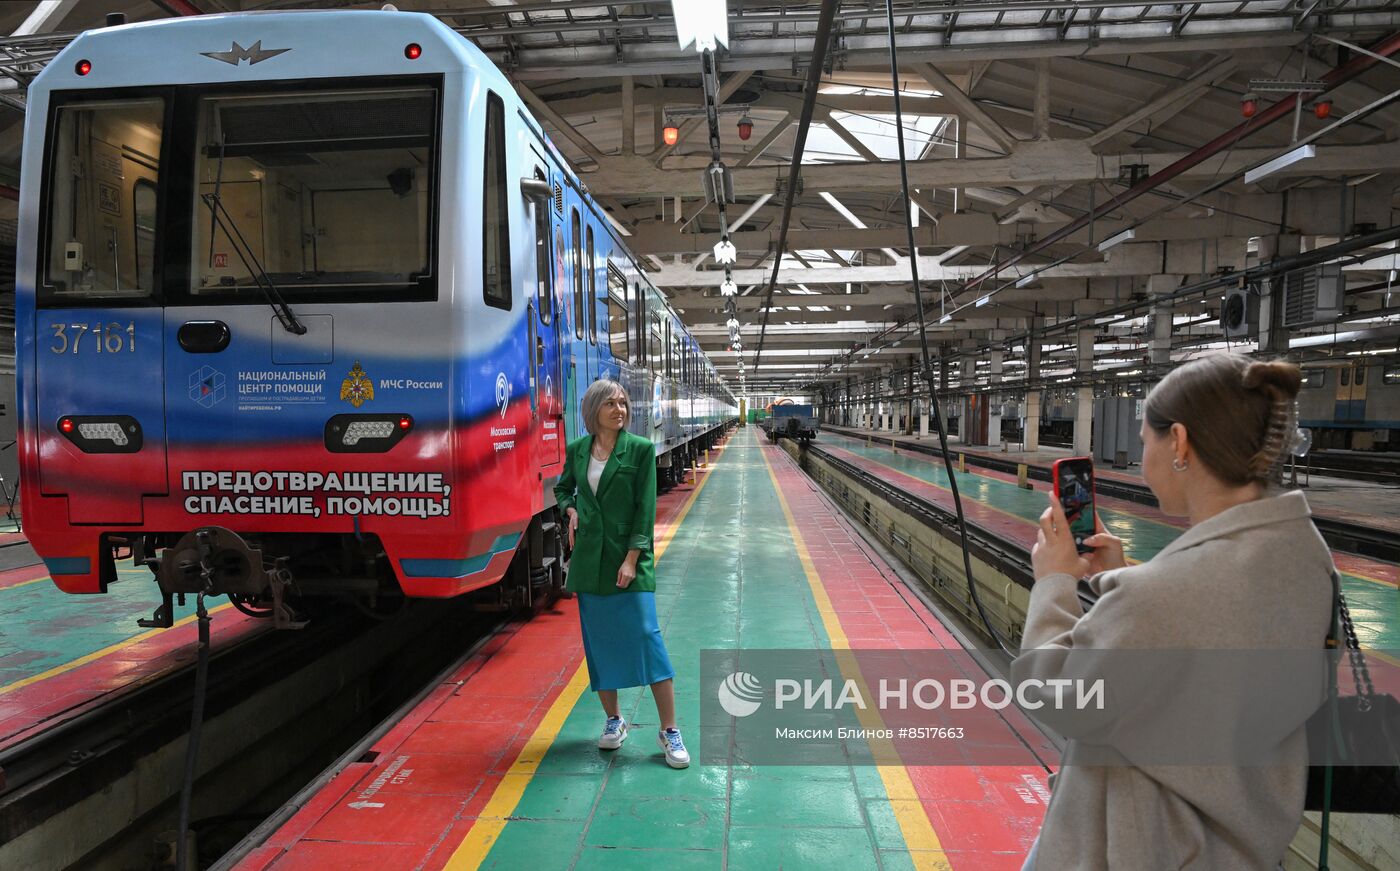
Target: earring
1178,465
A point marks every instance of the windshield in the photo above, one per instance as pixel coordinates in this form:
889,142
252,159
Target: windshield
330,193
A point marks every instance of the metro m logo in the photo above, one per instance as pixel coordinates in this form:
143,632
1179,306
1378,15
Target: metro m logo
253,54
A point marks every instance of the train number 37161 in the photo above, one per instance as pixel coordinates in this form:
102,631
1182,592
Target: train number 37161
110,338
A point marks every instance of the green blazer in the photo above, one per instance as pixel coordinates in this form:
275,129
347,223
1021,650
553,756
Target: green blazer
620,517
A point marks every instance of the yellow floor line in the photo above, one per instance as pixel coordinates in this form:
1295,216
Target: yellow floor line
925,849
98,654
493,818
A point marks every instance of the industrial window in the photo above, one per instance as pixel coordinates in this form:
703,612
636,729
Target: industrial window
1313,378
578,276
617,314
1392,375
496,224
592,299
542,260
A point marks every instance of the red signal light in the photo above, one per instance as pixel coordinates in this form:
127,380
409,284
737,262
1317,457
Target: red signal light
670,134
66,424
405,423
1249,105
413,51
745,128
1322,109
83,67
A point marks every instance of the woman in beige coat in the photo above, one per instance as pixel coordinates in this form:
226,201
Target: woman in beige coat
1250,573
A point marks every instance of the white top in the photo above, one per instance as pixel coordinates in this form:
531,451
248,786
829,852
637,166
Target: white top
595,472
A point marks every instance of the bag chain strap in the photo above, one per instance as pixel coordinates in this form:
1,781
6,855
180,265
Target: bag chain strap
1364,688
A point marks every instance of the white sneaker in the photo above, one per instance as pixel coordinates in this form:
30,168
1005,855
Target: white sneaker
614,733
676,754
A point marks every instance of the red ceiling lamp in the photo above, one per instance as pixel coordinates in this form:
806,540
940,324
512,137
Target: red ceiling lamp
1249,104
1322,109
745,127
670,134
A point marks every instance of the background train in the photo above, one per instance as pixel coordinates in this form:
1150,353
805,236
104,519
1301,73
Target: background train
340,305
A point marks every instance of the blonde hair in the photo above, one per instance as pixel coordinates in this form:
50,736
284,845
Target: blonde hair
599,392
1239,413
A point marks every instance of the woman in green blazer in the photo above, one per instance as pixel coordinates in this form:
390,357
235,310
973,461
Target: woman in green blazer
608,493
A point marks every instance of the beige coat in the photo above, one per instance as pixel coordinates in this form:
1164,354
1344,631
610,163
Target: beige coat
1254,577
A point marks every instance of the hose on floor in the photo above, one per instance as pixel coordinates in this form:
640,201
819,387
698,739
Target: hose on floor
927,363
201,686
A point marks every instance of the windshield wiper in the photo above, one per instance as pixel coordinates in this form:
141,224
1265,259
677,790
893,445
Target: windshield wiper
255,269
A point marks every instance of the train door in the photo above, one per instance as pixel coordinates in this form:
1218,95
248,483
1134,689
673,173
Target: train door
578,343
1351,393
545,361
101,442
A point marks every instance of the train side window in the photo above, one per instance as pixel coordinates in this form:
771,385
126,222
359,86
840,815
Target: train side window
1391,375
495,231
655,348
578,276
1346,377
143,217
591,300
1313,378
93,248
543,264
1360,379
617,314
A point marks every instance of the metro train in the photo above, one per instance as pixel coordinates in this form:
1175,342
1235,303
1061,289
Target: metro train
295,319
1351,405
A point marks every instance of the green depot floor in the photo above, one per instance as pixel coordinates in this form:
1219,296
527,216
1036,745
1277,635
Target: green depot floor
1374,605
730,578
42,627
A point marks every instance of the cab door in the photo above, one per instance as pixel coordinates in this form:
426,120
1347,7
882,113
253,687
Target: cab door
546,357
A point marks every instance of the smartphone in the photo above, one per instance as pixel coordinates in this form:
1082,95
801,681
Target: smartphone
1073,479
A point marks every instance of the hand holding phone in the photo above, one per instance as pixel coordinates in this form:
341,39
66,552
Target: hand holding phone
1073,481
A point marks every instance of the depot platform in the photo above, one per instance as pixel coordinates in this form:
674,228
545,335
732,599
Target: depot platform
499,768
1367,504
61,655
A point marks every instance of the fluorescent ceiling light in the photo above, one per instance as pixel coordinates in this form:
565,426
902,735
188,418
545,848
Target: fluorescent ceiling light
945,319
1023,281
986,299
1116,238
1283,160
703,22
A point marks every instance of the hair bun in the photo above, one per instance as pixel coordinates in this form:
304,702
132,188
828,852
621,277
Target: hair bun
1275,377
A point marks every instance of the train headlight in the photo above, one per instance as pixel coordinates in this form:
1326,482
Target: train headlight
366,433
106,434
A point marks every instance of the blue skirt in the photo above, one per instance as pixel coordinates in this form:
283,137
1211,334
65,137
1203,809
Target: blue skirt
621,641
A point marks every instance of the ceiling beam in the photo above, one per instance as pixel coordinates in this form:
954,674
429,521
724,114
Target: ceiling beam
1170,101
558,123
1056,162
969,107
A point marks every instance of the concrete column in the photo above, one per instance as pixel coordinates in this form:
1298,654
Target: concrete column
909,405
1031,427
1159,344
1084,397
998,357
